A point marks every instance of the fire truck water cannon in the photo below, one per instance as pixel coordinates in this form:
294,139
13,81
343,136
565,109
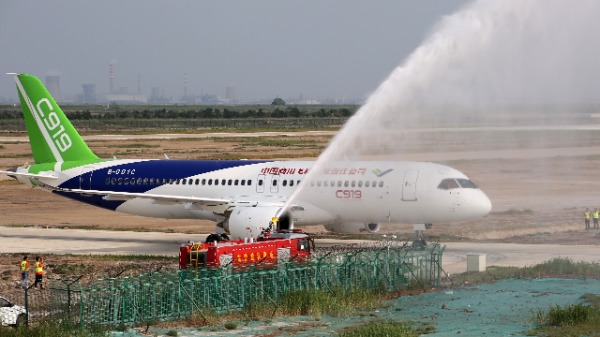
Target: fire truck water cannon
269,249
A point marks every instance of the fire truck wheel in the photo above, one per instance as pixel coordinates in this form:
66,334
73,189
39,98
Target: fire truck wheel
213,238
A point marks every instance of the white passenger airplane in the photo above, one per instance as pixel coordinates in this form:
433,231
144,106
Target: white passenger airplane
241,196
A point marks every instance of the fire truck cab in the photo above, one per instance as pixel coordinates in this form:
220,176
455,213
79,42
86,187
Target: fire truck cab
267,250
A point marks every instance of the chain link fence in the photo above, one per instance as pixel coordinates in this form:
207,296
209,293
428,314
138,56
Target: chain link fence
169,295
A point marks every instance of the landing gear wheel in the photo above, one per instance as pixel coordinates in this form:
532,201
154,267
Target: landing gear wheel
419,244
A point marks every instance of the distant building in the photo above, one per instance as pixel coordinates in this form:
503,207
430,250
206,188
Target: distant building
127,99
230,93
89,94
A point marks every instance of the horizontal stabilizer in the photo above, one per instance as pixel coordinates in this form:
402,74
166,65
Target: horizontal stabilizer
28,175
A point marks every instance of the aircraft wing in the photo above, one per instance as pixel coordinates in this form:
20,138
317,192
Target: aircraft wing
159,198
216,205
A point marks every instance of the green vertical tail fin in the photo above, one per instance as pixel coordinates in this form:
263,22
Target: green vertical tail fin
52,136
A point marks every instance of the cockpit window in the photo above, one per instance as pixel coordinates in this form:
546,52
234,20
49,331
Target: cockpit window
465,183
448,184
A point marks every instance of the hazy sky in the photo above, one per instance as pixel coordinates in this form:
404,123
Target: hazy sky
264,48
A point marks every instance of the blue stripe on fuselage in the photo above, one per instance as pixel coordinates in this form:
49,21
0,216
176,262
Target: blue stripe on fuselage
151,169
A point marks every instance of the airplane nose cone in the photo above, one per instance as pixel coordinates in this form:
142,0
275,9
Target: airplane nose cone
484,204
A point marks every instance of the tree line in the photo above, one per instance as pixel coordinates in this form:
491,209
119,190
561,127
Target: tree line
191,112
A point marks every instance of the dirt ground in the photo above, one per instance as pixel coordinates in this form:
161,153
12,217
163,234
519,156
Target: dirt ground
540,183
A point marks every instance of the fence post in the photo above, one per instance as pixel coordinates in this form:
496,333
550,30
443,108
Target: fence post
26,305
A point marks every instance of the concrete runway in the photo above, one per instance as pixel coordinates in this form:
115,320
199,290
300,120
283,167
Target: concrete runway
74,241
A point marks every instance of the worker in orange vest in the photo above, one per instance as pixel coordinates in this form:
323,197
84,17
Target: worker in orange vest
39,272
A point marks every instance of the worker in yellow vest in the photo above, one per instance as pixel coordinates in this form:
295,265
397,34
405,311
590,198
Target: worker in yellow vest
39,272
596,214
24,268
586,214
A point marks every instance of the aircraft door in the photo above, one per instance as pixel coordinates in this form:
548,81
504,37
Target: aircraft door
260,183
275,183
409,187
85,179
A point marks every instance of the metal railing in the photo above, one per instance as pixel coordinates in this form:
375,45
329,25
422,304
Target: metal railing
169,295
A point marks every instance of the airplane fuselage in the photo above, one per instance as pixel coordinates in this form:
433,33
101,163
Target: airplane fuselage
385,192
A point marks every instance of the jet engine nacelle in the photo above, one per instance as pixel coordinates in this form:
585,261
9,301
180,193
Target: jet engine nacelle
249,222
353,228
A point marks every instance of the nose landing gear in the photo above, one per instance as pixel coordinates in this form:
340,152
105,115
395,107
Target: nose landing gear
420,235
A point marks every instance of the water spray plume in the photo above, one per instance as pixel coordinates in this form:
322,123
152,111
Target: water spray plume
498,62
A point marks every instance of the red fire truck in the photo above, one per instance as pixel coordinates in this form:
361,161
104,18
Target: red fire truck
267,250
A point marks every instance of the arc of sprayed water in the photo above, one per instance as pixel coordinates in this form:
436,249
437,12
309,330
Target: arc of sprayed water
478,61
335,146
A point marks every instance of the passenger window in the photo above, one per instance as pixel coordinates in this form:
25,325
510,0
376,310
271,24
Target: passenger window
260,182
236,182
203,182
325,183
353,183
230,182
243,182
249,182
210,181
319,183
367,183
291,183
274,182
197,181
339,183
223,182
346,183
216,182
374,184
381,183
448,184
284,183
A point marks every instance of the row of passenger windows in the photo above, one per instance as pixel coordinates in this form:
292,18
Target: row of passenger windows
138,181
164,181
347,183
216,182
237,182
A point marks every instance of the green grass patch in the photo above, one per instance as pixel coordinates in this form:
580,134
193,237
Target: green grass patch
337,302
134,145
570,320
514,211
557,267
52,328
